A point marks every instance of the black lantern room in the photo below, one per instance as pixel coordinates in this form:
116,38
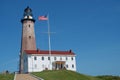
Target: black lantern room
28,15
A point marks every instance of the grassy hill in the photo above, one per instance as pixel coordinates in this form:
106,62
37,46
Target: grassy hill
63,75
109,77
6,76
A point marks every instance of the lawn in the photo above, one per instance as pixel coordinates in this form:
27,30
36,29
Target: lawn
63,75
6,76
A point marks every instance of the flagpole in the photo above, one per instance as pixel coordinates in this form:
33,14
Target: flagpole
49,44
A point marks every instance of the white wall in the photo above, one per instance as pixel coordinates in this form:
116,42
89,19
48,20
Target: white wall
40,65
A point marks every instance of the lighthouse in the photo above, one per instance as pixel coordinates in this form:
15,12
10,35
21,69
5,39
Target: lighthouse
35,60
28,41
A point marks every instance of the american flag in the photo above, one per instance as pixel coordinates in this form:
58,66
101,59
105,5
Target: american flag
42,18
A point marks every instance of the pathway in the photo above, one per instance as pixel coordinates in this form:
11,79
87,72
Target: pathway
25,77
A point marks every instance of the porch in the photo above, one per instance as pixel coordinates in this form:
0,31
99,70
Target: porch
59,65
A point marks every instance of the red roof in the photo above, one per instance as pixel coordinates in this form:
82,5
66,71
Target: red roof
47,52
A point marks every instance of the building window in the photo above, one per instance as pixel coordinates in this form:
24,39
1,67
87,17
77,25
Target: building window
67,66
42,58
71,58
72,66
42,65
66,58
48,58
54,58
35,58
35,65
60,58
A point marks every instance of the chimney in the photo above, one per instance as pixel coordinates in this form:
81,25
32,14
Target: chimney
70,51
38,50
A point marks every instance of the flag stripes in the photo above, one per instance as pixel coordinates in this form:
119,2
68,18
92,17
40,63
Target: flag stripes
42,18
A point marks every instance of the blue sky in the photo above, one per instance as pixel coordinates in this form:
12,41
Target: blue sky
91,28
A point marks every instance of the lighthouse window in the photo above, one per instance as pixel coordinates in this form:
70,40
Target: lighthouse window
29,37
29,25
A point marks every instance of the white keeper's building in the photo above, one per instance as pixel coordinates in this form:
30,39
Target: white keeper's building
38,60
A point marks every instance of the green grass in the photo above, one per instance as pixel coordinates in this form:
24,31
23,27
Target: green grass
6,76
63,75
109,77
